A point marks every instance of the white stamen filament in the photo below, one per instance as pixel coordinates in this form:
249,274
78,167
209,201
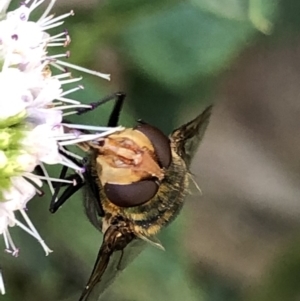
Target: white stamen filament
53,26
26,229
72,136
63,75
2,286
69,140
54,20
75,156
58,40
70,107
80,87
88,127
60,55
85,70
66,136
47,176
47,10
67,100
73,80
38,191
91,137
56,44
60,68
5,241
69,113
51,179
37,235
46,19
35,4
10,246
56,37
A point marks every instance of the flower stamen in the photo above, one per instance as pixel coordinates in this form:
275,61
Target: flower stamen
9,243
2,286
70,107
53,25
54,20
67,100
47,10
47,178
37,235
90,137
70,81
85,70
79,87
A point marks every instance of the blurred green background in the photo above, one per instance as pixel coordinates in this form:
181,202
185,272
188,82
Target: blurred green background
240,241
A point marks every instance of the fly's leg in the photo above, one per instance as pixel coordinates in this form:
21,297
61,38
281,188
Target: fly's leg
77,179
78,183
114,116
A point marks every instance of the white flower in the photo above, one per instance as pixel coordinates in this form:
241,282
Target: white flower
32,106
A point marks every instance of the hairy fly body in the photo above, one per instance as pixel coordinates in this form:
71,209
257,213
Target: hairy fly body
135,183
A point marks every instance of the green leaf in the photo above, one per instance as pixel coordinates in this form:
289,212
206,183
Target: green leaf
259,12
179,46
231,9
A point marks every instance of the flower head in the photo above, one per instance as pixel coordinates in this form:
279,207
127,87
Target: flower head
33,103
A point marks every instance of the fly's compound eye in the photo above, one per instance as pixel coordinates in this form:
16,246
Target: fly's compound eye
131,195
160,142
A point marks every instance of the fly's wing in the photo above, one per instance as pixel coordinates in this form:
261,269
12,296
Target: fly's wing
186,139
120,246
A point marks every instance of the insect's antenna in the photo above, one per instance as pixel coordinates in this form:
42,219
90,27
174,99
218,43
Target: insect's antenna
100,102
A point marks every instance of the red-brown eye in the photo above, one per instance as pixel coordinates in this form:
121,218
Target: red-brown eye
131,195
160,142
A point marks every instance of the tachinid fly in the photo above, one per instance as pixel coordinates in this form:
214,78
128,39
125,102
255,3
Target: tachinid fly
135,183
